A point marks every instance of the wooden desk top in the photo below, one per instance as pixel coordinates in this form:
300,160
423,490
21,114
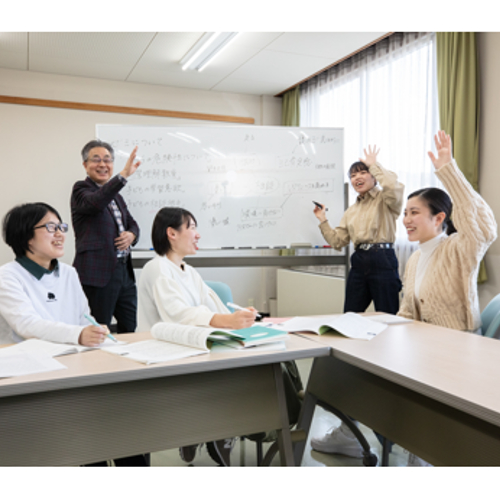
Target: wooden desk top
99,367
457,368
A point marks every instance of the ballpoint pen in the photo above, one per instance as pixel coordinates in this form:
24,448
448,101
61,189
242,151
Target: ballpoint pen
95,323
239,308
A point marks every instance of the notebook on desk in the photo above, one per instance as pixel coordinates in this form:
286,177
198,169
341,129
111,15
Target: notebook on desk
350,325
173,341
249,337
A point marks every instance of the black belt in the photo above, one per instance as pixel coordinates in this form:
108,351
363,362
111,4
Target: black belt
367,246
123,259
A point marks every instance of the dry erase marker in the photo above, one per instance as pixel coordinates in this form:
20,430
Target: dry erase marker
95,323
239,308
319,205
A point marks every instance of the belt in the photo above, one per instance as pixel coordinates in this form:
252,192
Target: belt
367,246
123,259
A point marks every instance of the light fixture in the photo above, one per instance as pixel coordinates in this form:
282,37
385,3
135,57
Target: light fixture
206,49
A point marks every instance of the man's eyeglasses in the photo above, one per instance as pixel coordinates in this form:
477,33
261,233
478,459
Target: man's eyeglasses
52,227
98,160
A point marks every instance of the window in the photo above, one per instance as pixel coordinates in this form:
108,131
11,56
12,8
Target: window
385,95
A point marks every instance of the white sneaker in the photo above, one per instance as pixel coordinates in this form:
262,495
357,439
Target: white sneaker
414,461
340,441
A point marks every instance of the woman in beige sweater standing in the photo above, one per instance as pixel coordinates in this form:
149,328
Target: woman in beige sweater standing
370,224
440,283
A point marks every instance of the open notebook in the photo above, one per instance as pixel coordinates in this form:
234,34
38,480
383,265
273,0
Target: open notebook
174,341
350,325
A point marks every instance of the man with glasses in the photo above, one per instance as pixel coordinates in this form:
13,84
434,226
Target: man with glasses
104,233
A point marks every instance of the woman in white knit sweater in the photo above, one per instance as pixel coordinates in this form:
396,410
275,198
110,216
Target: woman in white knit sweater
171,290
440,284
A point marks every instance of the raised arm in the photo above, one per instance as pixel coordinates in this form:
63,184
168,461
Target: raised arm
85,200
472,217
392,189
443,149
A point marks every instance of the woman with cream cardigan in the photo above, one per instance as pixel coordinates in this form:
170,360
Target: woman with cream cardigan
440,283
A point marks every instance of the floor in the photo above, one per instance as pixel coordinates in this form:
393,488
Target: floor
245,454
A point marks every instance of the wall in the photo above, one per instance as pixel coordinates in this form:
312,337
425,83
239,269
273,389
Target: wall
41,146
489,165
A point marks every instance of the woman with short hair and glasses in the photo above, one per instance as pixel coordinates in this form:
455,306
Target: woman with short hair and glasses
41,297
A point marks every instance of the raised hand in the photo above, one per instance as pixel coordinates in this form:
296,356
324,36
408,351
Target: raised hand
370,156
443,148
130,166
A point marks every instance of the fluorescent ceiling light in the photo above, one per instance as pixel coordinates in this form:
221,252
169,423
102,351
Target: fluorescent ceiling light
206,49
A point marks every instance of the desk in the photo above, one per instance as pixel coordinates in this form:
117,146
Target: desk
105,406
432,390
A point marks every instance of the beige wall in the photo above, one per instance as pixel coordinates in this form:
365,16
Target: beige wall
40,159
489,164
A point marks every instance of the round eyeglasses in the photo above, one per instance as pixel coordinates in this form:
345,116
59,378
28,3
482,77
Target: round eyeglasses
52,227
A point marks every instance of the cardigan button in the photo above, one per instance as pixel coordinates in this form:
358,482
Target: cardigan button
422,300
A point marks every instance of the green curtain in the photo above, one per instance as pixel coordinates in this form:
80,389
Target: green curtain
290,108
458,94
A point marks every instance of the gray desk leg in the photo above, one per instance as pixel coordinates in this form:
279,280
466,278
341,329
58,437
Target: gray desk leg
304,424
284,435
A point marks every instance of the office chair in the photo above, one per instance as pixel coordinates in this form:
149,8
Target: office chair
291,379
490,318
223,291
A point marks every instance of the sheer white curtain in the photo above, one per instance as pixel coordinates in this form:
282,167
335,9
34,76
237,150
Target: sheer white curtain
385,95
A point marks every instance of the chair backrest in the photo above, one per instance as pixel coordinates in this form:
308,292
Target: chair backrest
223,291
489,314
493,330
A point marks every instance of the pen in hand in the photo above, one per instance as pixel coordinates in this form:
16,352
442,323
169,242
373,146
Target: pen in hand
319,205
239,308
95,323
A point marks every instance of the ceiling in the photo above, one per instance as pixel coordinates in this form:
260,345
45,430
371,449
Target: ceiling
255,63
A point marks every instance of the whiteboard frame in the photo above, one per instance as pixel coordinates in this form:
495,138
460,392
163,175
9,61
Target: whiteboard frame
100,132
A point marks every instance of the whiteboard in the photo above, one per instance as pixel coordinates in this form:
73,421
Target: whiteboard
247,186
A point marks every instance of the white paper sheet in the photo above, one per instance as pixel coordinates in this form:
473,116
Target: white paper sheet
154,351
25,363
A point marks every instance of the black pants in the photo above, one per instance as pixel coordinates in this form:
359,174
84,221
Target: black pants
135,461
373,276
118,298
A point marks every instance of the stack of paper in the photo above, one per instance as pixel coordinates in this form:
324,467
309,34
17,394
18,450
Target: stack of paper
249,337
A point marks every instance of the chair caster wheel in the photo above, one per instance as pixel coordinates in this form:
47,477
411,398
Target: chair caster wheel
370,460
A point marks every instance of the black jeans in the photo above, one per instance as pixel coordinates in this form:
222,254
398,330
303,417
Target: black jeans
118,298
373,276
